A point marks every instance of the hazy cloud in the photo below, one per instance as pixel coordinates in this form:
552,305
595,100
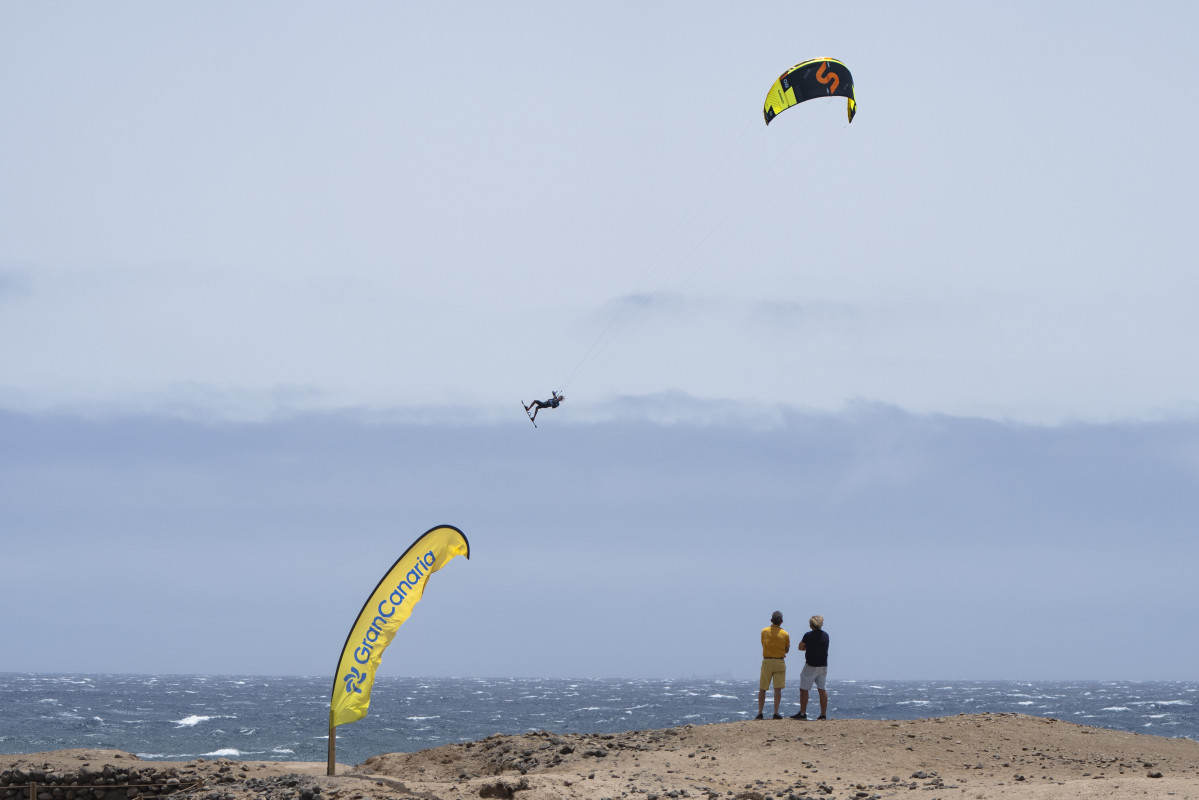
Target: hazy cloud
879,519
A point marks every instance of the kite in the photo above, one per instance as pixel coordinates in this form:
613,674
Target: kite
817,77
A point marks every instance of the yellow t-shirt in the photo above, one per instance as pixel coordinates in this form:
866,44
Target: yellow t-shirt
775,642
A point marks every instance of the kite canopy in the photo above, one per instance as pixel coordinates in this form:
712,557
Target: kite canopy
817,77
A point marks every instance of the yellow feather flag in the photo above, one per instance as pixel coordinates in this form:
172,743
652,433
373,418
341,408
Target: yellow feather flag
387,608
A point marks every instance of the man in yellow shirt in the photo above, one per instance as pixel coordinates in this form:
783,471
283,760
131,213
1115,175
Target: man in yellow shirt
775,644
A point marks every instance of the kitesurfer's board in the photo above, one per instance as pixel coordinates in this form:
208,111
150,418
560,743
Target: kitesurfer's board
527,414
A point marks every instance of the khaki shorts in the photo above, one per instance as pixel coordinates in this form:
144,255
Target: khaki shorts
773,669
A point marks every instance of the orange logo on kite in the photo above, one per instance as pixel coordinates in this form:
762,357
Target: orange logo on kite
828,77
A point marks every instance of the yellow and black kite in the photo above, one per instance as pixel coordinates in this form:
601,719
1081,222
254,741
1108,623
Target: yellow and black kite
816,77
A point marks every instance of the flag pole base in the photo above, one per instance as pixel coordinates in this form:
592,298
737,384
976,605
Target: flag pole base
332,750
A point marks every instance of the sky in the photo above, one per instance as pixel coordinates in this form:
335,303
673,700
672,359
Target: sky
273,277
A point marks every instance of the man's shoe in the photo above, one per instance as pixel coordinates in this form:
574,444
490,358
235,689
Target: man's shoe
758,717
799,715
822,717
778,716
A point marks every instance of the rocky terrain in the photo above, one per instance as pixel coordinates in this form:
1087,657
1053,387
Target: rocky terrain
970,756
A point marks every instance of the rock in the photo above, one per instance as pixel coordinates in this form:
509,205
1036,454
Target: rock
505,790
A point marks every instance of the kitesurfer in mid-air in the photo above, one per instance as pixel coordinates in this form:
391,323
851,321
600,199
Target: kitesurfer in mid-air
537,405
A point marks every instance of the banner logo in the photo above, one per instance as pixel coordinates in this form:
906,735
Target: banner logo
354,681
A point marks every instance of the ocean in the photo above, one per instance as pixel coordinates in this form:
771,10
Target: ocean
174,717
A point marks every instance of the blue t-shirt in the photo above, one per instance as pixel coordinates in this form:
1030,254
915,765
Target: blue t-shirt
816,648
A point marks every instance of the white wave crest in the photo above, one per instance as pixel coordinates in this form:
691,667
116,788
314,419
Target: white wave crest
188,722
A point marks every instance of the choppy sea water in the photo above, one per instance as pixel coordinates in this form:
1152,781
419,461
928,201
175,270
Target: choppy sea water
286,718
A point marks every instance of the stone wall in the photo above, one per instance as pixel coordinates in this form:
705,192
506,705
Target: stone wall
95,783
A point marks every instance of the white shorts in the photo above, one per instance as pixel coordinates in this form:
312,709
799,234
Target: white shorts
810,674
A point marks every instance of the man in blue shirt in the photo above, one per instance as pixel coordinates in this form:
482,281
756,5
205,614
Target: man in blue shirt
815,669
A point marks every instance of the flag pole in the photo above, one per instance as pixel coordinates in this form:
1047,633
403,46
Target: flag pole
332,745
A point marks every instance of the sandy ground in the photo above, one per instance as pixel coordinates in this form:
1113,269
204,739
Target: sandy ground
970,756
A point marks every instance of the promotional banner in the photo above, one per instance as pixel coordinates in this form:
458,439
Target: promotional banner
387,608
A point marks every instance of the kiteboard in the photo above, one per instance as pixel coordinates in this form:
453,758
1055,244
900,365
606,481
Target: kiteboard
527,414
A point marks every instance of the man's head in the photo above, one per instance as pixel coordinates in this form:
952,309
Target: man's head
816,622
776,618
